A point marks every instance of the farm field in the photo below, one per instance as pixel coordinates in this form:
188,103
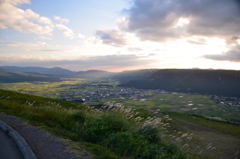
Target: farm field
42,88
167,101
195,104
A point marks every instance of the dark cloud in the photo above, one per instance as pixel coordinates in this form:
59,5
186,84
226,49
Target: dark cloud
235,37
112,37
199,41
232,55
109,62
156,19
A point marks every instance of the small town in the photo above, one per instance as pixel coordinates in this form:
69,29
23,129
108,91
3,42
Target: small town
95,91
103,91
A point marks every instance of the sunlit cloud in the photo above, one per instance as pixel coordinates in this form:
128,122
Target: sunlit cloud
80,36
67,33
24,21
44,38
61,20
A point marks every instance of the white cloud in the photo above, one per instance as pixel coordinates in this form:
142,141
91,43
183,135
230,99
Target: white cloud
80,36
67,33
62,20
44,38
92,40
24,21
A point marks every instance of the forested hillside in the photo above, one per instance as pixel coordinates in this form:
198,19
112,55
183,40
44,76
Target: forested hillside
219,82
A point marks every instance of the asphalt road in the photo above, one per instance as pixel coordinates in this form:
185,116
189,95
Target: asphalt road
8,148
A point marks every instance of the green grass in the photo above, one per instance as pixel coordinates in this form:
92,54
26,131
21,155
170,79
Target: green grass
115,132
217,124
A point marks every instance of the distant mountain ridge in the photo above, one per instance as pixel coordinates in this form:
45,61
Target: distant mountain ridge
40,70
7,76
60,72
93,74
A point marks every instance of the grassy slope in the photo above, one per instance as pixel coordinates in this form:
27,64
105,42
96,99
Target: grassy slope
60,118
218,138
50,114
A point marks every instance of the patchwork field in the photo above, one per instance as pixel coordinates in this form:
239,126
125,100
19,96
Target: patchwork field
167,101
41,88
197,104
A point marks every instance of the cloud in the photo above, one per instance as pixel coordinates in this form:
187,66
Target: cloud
44,38
134,49
16,2
92,40
61,19
27,21
197,41
67,33
232,55
80,36
57,50
152,54
29,44
113,37
172,19
24,21
108,62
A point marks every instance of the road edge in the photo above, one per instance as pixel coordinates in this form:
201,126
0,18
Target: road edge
19,140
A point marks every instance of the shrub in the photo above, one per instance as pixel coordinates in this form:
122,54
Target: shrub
151,133
128,144
96,129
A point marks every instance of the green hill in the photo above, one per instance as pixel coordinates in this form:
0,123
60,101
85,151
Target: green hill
114,131
218,82
13,76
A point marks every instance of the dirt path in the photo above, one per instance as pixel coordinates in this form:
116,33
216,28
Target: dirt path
44,144
214,144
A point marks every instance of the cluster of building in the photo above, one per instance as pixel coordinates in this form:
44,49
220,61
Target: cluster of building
97,92
227,101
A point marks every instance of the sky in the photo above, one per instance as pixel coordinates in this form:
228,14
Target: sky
121,34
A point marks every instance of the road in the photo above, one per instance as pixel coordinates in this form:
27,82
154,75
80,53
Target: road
8,148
